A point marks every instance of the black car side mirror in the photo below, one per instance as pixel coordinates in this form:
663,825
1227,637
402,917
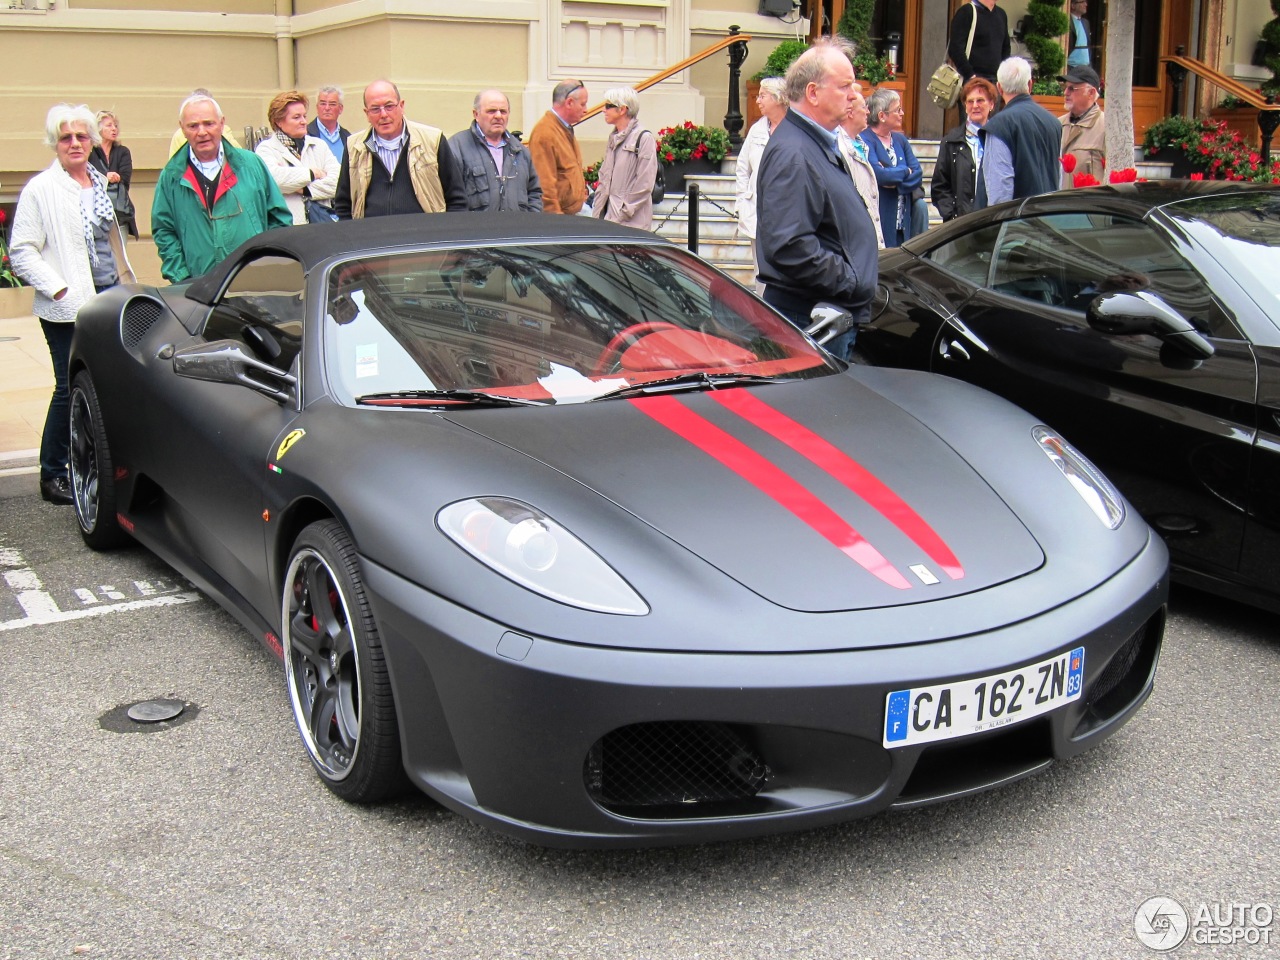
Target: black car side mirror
1144,312
228,361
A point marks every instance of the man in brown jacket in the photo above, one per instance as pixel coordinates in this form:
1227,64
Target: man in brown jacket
555,151
1083,125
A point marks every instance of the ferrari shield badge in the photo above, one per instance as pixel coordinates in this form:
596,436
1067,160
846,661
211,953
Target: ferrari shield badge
287,443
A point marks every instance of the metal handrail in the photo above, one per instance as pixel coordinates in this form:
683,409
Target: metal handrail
722,44
1178,66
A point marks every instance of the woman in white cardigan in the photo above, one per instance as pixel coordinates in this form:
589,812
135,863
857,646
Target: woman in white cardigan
67,245
773,107
303,166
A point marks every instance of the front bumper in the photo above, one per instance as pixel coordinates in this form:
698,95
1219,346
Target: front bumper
574,745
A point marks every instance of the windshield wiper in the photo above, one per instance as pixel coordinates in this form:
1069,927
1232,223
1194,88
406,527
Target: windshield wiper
688,381
446,398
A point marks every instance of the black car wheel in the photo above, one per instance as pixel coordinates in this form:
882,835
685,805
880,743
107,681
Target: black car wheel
93,487
335,670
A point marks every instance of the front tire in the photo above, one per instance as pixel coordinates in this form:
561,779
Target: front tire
92,474
335,670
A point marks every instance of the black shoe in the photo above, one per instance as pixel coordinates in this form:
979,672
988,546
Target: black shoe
57,490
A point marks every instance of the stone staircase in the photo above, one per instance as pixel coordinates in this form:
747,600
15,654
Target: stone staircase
717,219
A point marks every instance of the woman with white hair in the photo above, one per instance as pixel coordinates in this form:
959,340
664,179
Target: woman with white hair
898,172
114,161
772,100
630,167
67,245
302,165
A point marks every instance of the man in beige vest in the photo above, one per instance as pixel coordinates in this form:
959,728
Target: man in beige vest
396,165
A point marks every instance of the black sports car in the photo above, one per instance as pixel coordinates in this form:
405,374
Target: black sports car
1140,320
556,520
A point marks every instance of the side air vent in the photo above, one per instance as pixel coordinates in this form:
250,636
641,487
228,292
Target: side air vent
139,316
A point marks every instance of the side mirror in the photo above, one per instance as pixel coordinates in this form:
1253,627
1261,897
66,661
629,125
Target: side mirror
1144,312
828,321
227,361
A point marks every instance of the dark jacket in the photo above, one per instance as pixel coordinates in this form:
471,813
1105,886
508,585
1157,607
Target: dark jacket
816,239
897,183
516,189
954,184
122,163
990,40
1034,137
313,128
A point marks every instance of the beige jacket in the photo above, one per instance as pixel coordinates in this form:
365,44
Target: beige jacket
864,178
424,173
558,160
1086,140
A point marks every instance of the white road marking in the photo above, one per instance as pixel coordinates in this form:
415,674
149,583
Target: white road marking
40,607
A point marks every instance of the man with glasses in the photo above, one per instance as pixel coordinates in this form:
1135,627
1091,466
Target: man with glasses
396,166
1084,125
556,153
325,126
496,167
210,197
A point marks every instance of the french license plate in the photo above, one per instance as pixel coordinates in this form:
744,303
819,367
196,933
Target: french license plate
958,709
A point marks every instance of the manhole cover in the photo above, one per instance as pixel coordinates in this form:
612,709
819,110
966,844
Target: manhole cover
148,716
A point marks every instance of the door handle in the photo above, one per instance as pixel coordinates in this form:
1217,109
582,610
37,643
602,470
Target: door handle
952,350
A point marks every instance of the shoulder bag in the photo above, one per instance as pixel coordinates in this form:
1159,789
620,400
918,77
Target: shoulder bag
944,85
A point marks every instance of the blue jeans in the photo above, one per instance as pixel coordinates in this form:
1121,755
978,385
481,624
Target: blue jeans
57,422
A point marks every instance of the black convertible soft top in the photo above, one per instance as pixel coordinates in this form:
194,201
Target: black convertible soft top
316,242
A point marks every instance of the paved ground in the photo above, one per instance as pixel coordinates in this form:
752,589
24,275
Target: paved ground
213,839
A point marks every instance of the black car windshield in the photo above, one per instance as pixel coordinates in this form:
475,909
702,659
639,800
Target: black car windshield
551,323
1242,232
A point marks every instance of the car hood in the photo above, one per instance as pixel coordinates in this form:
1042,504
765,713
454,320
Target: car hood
819,495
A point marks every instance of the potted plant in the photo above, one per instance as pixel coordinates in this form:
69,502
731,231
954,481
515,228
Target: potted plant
1173,140
688,149
15,296
1042,31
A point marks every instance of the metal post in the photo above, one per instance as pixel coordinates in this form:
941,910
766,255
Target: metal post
1177,76
733,121
693,217
1268,120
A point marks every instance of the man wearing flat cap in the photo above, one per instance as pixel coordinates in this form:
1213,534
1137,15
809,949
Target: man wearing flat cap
1083,127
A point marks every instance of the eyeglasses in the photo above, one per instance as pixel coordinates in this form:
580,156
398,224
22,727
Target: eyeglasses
75,138
612,106
380,108
578,85
975,100
229,214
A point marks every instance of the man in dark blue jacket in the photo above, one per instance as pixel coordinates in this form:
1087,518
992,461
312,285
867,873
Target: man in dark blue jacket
817,242
1020,144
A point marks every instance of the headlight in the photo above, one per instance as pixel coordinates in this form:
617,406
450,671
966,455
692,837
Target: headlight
1095,489
527,546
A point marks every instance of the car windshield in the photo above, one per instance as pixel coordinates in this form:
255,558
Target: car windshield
553,323
1242,232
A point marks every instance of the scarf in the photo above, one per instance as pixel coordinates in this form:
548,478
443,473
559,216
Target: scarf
294,146
101,210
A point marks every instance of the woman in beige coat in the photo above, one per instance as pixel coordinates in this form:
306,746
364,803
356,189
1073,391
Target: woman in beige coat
630,167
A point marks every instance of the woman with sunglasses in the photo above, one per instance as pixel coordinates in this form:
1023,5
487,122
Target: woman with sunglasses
630,167
67,245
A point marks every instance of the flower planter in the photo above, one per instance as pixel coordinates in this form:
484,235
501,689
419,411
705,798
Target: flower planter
16,302
1180,163
673,174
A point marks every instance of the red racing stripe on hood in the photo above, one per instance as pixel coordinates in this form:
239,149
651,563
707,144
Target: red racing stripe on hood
845,469
770,480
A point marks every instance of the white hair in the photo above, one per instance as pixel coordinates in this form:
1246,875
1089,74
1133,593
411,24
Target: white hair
624,97
65,115
198,98
1014,76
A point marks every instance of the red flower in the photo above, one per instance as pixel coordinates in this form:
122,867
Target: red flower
1069,163
1084,180
669,156
1128,175
3,216
1197,176
689,124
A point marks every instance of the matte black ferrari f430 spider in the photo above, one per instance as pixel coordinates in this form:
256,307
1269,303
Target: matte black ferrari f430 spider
558,523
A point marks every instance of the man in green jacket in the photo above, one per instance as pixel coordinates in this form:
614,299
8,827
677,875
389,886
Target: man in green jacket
211,197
